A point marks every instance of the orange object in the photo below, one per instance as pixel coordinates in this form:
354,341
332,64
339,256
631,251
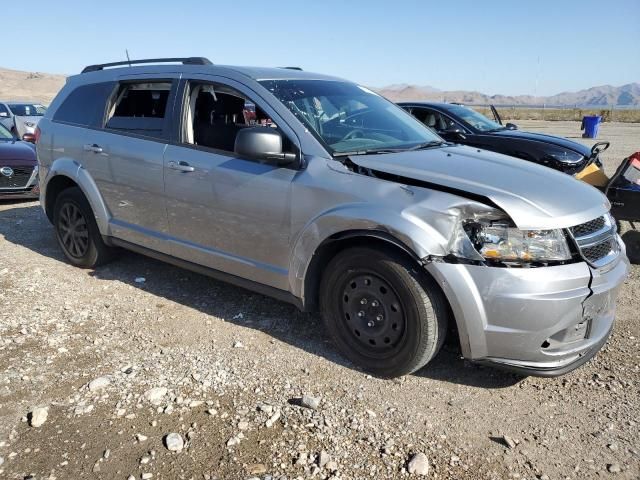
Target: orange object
593,175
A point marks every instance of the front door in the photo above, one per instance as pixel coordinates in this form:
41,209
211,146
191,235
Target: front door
227,212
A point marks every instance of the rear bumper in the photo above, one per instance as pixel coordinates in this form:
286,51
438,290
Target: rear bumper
540,321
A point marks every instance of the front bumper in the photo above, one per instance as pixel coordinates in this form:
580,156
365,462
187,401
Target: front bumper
542,321
30,190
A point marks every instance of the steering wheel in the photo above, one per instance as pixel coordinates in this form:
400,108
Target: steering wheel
357,133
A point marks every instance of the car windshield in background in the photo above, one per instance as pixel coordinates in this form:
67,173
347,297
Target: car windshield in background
27,109
5,134
475,119
349,118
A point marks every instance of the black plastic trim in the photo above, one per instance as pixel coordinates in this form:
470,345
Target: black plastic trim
183,60
260,288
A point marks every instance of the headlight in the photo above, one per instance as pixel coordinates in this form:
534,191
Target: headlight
566,156
500,241
29,124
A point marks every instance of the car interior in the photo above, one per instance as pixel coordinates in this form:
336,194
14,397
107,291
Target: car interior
431,119
215,114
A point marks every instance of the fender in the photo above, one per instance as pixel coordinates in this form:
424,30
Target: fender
420,239
72,169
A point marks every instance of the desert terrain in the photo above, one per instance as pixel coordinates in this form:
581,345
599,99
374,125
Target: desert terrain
140,370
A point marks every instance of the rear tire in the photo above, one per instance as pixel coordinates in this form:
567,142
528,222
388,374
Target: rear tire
77,231
382,311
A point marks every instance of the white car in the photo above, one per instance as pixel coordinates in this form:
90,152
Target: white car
21,117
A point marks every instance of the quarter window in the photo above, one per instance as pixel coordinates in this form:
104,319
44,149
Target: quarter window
85,105
140,108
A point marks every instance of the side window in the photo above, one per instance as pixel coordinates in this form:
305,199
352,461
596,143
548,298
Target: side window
4,112
214,114
140,108
433,119
85,105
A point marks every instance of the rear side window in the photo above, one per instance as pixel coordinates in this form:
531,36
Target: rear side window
85,106
140,108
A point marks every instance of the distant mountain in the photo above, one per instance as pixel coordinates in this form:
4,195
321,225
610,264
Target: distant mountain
29,86
606,95
42,87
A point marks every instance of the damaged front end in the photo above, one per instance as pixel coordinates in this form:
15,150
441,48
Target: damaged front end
540,301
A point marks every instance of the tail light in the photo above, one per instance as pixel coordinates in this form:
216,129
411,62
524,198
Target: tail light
37,135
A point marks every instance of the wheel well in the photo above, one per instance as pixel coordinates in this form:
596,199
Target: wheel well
55,186
336,244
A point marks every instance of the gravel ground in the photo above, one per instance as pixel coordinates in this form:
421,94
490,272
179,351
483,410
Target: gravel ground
142,370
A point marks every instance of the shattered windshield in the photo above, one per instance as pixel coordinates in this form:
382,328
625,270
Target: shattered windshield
346,117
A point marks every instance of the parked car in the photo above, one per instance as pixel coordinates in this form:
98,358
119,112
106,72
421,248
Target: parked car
461,124
337,200
21,118
18,167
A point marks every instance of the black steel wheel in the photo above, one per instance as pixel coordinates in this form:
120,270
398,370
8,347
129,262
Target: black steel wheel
77,231
383,312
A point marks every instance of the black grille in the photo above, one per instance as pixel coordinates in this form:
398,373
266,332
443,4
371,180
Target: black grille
589,227
19,179
597,252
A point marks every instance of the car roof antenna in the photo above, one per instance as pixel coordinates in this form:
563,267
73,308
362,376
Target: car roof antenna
126,50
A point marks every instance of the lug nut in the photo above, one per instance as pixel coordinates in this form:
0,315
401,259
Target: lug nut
375,303
370,324
361,314
363,301
379,318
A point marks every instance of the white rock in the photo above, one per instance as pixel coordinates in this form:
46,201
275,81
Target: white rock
38,416
238,344
323,459
98,383
155,395
1,460
174,442
195,403
147,476
273,419
141,438
419,464
212,411
243,425
308,401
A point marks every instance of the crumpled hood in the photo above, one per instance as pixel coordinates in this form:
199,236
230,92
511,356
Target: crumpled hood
559,142
535,197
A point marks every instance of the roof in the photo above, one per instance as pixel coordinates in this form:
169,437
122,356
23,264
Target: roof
255,73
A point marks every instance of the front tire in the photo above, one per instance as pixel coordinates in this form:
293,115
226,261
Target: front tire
382,311
77,232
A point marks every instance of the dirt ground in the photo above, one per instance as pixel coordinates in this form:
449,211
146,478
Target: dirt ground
119,357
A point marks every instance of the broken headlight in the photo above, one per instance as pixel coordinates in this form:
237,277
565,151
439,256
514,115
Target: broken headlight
500,241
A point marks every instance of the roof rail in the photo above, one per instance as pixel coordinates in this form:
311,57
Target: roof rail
292,68
184,61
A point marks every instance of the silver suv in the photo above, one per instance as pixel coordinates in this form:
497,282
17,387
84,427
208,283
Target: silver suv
319,192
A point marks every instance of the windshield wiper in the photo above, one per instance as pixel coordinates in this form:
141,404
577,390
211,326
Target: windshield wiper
375,151
431,144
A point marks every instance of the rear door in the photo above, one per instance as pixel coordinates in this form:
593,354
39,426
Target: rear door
125,158
227,212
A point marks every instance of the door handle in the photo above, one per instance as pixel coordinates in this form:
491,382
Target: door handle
93,148
181,166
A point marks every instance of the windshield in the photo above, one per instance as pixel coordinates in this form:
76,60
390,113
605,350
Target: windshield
348,118
474,119
5,134
27,109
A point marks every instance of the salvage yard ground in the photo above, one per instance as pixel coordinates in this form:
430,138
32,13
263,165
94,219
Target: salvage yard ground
124,355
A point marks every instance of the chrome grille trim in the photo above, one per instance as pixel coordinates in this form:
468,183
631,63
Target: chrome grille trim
597,240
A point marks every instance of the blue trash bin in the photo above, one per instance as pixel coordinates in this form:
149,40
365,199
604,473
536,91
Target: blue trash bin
591,125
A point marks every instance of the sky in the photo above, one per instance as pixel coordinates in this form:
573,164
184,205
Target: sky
511,47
